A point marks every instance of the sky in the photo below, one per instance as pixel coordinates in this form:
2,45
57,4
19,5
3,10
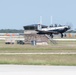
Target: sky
14,14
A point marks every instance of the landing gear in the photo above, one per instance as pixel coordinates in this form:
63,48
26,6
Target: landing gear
65,35
61,35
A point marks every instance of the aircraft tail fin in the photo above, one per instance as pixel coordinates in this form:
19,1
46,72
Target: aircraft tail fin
39,25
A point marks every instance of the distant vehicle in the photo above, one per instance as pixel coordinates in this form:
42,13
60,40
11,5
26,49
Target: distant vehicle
52,30
8,41
20,42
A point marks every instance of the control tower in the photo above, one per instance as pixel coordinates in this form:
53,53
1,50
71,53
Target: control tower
30,34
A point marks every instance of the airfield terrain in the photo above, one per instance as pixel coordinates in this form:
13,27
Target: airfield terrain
58,52
36,70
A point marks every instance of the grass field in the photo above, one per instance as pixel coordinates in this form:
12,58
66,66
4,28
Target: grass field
39,59
60,46
54,59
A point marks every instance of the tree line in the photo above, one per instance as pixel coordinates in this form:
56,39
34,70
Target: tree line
11,31
71,31
22,31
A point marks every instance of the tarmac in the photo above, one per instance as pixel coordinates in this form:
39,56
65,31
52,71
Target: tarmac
37,70
61,53
65,39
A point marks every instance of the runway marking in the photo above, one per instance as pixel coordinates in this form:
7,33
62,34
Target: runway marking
61,53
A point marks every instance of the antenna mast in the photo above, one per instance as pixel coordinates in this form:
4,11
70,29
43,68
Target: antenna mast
51,20
40,19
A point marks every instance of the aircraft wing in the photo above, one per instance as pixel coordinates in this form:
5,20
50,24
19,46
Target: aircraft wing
48,32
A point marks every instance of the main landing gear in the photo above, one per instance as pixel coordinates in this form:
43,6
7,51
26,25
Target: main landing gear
61,35
51,35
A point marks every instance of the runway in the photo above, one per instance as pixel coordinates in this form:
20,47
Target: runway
65,39
61,53
37,70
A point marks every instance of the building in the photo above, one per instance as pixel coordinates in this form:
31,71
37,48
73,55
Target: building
30,34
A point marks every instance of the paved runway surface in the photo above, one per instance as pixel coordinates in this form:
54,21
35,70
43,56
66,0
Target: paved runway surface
37,70
65,39
40,53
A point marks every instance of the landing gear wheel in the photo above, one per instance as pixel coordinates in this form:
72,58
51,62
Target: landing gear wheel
61,35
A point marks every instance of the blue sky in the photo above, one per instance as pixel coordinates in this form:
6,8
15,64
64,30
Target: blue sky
14,14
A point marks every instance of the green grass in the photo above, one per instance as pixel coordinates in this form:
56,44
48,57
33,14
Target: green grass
69,60
61,46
